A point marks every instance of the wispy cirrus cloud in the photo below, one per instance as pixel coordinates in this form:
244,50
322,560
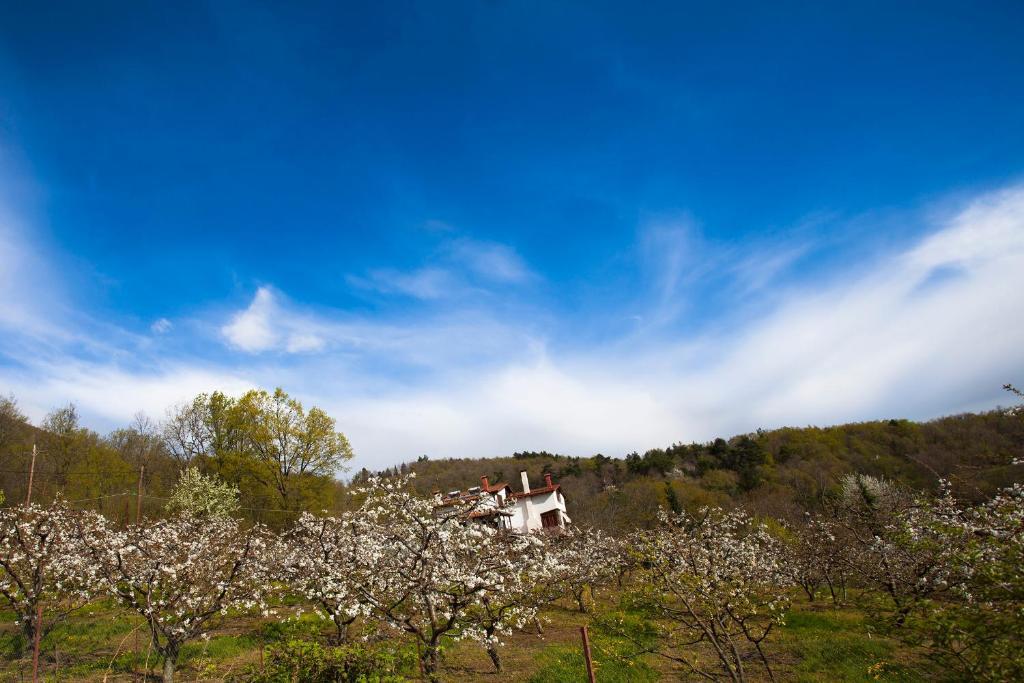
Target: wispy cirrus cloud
930,328
429,283
491,261
866,344
161,326
460,267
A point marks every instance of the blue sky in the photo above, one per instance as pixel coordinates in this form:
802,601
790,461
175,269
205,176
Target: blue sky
472,228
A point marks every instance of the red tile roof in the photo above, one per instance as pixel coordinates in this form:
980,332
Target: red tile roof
537,492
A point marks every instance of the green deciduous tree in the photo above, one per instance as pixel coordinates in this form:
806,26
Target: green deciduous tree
293,451
279,454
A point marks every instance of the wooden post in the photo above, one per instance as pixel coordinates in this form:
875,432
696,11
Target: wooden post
586,654
138,497
135,656
35,643
31,472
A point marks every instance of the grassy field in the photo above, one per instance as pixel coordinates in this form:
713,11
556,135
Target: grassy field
818,643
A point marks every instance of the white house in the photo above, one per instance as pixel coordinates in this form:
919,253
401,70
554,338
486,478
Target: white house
530,509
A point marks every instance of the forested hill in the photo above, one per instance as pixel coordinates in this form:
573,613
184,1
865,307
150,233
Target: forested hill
780,472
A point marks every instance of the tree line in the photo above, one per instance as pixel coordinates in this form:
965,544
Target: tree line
282,457
286,459
781,473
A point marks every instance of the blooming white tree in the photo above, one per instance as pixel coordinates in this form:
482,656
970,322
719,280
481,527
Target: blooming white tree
718,579
515,601
896,542
981,633
586,559
182,574
966,608
433,567
324,562
199,495
41,560
815,554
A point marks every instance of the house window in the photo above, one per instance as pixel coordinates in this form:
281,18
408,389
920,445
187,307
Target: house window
549,520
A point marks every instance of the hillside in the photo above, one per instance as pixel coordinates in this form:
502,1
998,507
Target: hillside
780,472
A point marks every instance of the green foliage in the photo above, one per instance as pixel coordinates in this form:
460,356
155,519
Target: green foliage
722,480
672,499
280,455
308,627
311,662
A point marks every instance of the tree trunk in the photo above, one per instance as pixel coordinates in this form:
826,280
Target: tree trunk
832,591
341,635
431,661
492,648
492,652
539,626
170,653
580,601
168,669
28,636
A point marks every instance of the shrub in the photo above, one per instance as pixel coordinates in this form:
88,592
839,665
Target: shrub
311,662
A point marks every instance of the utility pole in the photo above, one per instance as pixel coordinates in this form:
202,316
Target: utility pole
31,472
138,497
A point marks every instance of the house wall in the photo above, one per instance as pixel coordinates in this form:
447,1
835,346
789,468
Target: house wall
529,509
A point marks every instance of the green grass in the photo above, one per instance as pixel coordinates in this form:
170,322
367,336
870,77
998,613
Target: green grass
218,648
817,644
564,664
838,646
614,657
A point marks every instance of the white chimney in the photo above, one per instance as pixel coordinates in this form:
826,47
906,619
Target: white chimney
526,481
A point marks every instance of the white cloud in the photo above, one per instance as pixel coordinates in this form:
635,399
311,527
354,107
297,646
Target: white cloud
109,395
990,230
880,344
161,326
254,328
301,342
29,291
461,268
871,345
423,283
490,260
459,378
267,324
